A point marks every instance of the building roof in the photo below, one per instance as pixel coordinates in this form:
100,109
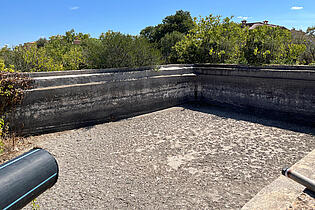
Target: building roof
256,24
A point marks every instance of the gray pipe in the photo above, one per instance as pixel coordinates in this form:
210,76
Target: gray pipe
25,177
306,182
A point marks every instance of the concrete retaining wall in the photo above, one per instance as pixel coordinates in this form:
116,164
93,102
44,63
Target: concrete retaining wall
283,92
65,100
71,99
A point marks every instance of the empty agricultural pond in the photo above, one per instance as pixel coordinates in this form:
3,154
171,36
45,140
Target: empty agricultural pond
182,157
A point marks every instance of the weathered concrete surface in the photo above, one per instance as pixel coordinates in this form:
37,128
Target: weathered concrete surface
282,92
187,157
61,101
282,192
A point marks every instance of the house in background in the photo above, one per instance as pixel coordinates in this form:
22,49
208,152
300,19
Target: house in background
29,44
256,24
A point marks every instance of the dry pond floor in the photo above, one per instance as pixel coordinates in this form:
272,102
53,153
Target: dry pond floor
186,157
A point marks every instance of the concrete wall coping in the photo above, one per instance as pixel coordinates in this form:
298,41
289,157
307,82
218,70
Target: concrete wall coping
110,70
281,68
50,79
106,82
258,73
247,67
54,79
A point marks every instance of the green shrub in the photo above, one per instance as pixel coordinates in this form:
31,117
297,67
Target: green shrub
164,36
213,40
308,39
271,45
115,50
56,54
12,85
167,44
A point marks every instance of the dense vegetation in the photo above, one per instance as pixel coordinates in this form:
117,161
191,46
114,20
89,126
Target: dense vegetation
214,40
172,30
178,39
114,49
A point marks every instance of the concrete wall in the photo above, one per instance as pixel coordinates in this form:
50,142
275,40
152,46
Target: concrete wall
279,91
71,99
65,100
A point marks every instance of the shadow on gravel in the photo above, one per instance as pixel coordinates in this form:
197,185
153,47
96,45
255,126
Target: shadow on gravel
88,127
263,118
309,192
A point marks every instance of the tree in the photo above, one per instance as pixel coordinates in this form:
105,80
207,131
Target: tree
114,50
307,39
213,40
167,46
164,35
267,45
148,33
62,50
41,42
311,43
33,59
56,54
180,22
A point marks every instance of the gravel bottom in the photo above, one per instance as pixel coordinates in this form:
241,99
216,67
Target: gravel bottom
188,157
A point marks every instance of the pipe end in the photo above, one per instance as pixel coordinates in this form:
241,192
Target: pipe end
284,171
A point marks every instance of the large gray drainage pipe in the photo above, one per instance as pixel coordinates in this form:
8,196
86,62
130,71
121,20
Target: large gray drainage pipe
25,177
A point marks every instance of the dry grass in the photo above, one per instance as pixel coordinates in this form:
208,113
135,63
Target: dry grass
13,146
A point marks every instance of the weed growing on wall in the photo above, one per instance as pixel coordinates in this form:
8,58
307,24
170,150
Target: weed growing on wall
12,86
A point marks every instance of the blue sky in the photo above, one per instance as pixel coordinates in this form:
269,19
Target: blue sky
23,21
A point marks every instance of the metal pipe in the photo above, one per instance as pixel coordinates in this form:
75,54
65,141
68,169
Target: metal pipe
308,183
25,177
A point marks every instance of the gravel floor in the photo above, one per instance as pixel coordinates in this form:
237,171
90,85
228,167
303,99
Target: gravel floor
187,157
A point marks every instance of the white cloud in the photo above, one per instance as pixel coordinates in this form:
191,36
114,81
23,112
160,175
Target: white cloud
296,8
74,8
243,18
